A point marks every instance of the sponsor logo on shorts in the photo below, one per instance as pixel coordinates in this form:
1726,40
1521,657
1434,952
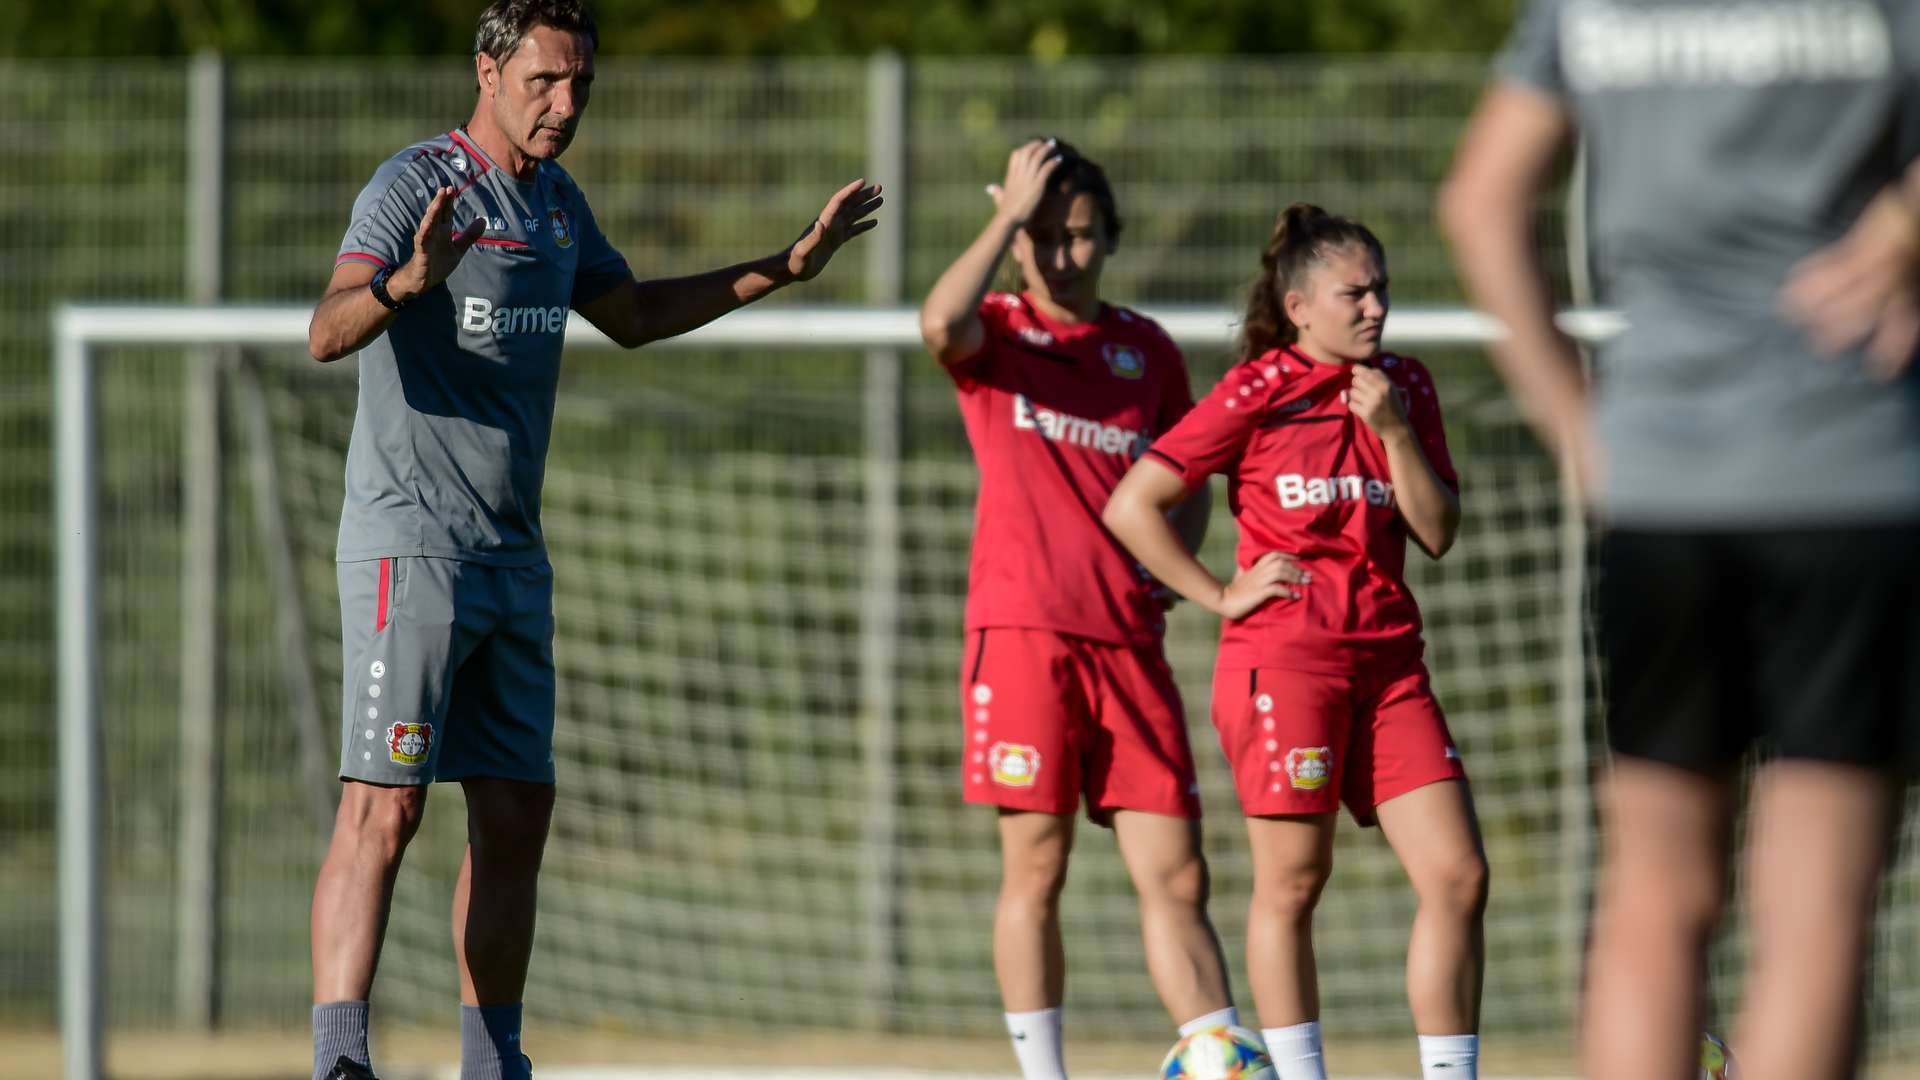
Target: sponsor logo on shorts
1124,361
1308,767
1014,764
407,744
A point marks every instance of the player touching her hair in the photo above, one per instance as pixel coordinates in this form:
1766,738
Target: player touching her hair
1065,692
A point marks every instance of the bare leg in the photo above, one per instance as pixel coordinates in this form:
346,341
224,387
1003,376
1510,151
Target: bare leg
354,892
1169,872
494,901
1433,831
1660,897
1028,954
1292,858
1820,839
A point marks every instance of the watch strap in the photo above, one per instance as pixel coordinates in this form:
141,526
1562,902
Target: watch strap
378,287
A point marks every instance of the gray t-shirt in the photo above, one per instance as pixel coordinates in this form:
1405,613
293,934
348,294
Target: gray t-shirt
1728,139
450,438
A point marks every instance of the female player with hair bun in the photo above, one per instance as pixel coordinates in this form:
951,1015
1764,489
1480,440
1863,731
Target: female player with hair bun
1335,457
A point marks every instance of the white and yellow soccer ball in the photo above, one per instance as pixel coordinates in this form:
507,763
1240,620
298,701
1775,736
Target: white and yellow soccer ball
1716,1061
1218,1053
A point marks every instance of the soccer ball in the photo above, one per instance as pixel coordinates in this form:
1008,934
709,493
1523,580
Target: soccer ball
1218,1053
1716,1061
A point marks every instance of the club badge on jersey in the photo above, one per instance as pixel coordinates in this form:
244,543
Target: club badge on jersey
557,227
1124,361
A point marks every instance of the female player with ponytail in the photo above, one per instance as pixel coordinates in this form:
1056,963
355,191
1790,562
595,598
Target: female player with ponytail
1335,457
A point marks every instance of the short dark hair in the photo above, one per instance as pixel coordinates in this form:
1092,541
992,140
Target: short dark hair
505,24
1078,174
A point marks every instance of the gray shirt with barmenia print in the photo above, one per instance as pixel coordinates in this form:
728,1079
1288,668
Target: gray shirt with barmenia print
1728,139
450,438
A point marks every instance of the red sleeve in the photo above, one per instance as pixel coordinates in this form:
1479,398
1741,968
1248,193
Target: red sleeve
1215,432
995,312
1423,413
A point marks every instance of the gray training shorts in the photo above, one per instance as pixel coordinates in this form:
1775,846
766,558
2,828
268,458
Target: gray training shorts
448,671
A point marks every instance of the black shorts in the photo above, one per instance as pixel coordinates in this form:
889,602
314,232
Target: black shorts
1804,643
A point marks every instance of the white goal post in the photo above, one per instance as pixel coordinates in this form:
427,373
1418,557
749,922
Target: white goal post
885,334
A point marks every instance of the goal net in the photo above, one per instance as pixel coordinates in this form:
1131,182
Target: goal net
760,547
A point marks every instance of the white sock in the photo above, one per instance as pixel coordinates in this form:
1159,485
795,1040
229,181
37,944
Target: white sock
1036,1044
1450,1057
1227,1017
1296,1051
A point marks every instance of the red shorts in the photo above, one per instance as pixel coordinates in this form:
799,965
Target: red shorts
1303,743
1050,717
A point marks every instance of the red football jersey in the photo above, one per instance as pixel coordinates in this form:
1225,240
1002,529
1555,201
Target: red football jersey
1307,477
1056,414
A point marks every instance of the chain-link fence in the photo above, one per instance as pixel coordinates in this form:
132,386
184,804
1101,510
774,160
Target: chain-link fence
705,518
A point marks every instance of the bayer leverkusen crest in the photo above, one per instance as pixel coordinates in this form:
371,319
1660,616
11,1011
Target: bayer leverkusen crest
1124,360
407,744
1014,764
1308,767
557,226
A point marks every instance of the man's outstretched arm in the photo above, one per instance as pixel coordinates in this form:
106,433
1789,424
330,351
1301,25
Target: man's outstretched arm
637,312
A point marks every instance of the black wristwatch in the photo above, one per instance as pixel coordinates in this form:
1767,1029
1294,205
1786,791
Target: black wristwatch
378,287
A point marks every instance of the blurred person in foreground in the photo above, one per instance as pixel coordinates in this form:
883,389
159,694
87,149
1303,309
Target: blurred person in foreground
463,257
1065,690
1751,446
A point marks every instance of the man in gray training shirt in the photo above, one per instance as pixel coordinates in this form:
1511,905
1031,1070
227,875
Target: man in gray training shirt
1753,450
463,257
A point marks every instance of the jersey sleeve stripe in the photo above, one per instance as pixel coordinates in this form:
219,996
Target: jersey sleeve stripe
364,256
1178,465
480,163
473,155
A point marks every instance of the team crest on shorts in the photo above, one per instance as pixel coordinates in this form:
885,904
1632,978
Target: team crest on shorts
557,225
1308,767
1014,765
1124,361
407,744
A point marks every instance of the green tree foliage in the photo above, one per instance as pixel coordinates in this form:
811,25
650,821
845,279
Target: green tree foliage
1044,29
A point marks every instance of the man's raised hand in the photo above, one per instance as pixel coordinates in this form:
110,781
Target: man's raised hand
845,216
437,249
